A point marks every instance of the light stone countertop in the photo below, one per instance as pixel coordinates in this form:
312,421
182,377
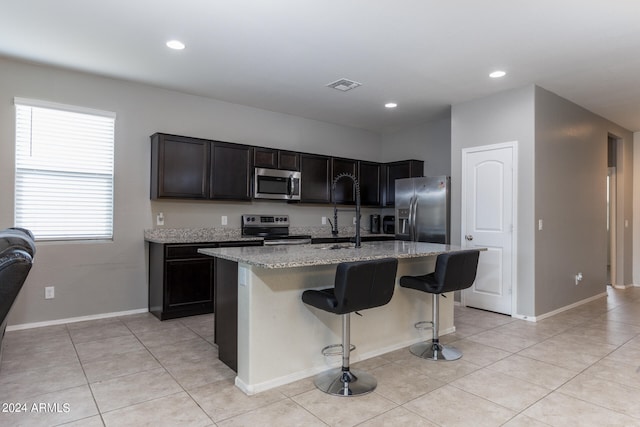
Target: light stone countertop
322,254
195,235
222,234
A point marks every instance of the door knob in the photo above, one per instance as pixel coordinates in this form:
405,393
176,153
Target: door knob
468,237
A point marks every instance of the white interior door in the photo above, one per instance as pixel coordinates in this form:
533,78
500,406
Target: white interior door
488,220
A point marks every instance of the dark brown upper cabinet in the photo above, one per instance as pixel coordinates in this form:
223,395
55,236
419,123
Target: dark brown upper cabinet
345,188
179,167
193,168
265,158
276,159
398,170
370,177
230,171
316,178
288,160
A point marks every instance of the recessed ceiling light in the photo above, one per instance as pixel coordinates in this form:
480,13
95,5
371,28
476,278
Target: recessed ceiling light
497,74
391,105
175,44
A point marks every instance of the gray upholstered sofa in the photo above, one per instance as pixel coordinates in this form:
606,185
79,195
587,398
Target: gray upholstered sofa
17,249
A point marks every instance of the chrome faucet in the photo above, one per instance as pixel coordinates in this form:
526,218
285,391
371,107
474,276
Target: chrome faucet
334,226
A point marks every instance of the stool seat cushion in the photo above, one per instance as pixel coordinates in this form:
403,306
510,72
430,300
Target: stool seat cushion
359,285
426,283
454,271
324,299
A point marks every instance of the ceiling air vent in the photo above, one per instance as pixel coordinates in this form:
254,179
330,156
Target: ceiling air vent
344,85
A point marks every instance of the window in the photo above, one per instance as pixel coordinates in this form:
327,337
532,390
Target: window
64,171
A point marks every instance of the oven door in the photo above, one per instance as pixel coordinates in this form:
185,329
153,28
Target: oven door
276,184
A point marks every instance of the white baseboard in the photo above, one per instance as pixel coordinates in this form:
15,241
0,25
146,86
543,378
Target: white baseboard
560,310
627,286
75,319
523,317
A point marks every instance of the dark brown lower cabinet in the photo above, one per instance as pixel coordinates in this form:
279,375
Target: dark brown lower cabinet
226,306
180,280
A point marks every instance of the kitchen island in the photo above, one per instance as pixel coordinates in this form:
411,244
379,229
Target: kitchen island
279,338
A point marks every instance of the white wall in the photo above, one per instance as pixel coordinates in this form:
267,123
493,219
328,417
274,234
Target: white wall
94,278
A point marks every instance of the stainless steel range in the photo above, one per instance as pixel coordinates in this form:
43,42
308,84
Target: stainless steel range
274,229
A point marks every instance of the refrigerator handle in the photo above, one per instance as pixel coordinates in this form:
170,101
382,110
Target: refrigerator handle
409,219
412,218
415,217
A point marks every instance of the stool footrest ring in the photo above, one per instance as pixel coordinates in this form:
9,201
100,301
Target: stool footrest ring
335,350
424,325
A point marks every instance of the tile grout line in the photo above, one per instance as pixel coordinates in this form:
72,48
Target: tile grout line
95,402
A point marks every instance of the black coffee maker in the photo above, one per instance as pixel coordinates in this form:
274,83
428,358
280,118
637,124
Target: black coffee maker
389,224
374,224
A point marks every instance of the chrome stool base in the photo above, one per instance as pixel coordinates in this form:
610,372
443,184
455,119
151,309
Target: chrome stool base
338,382
435,351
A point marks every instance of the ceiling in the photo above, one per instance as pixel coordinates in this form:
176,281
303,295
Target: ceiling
279,55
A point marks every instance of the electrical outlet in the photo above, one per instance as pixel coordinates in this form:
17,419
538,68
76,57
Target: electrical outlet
324,220
354,220
49,292
539,225
223,220
578,278
160,219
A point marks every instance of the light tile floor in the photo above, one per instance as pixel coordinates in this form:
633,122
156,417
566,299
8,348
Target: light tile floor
578,368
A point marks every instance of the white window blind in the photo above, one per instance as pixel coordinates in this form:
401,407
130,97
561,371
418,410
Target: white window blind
64,171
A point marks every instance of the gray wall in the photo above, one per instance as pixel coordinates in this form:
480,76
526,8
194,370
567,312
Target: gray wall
430,142
562,169
636,209
94,278
570,186
504,117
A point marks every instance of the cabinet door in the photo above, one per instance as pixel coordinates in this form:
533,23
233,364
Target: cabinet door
345,189
397,170
370,177
230,171
189,285
179,167
265,158
316,184
289,160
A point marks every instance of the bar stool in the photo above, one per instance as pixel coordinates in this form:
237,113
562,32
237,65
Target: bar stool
358,286
454,271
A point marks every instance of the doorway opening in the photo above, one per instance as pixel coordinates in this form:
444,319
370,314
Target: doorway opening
612,156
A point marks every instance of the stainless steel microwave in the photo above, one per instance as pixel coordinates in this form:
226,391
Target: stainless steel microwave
276,184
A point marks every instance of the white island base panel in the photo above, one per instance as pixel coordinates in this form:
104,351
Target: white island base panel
280,338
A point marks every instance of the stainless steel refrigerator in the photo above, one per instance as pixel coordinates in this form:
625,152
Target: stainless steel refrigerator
423,209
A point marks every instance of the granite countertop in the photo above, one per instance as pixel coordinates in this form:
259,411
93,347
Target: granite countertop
322,254
196,235
220,234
